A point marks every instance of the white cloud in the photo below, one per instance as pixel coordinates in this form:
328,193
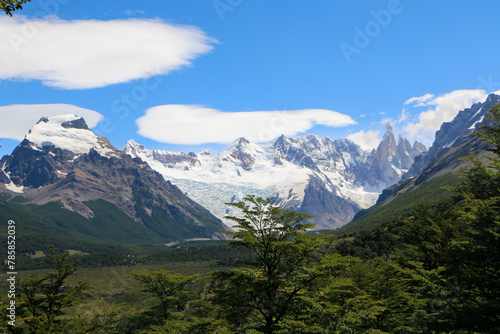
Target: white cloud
17,119
194,125
85,54
367,140
442,108
420,101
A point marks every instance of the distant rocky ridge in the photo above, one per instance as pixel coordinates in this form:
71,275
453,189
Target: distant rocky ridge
330,179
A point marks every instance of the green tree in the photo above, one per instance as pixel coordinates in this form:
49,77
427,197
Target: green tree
9,6
198,317
429,232
263,294
45,298
336,302
105,317
165,285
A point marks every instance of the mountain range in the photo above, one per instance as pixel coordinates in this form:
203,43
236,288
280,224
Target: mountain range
329,179
65,181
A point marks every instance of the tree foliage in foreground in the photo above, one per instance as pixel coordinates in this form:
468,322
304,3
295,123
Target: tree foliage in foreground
263,294
453,253
46,298
9,6
164,285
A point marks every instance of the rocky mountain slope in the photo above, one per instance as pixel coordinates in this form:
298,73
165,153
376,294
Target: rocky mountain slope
434,170
62,161
330,179
460,127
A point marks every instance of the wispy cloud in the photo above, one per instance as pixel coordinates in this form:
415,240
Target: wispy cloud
17,119
405,115
367,140
133,12
84,54
194,125
420,100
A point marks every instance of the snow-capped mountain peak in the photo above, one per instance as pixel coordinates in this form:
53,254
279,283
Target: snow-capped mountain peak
67,132
244,154
132,147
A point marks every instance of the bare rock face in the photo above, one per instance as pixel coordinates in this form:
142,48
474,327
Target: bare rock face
29,167
386,157
328,209
404,153
75,124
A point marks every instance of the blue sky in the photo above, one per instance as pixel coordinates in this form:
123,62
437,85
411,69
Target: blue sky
187,75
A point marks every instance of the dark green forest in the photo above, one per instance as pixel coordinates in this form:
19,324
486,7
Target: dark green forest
434,268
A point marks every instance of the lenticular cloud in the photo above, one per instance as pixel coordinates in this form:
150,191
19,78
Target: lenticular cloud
84,54
194,125
17,119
